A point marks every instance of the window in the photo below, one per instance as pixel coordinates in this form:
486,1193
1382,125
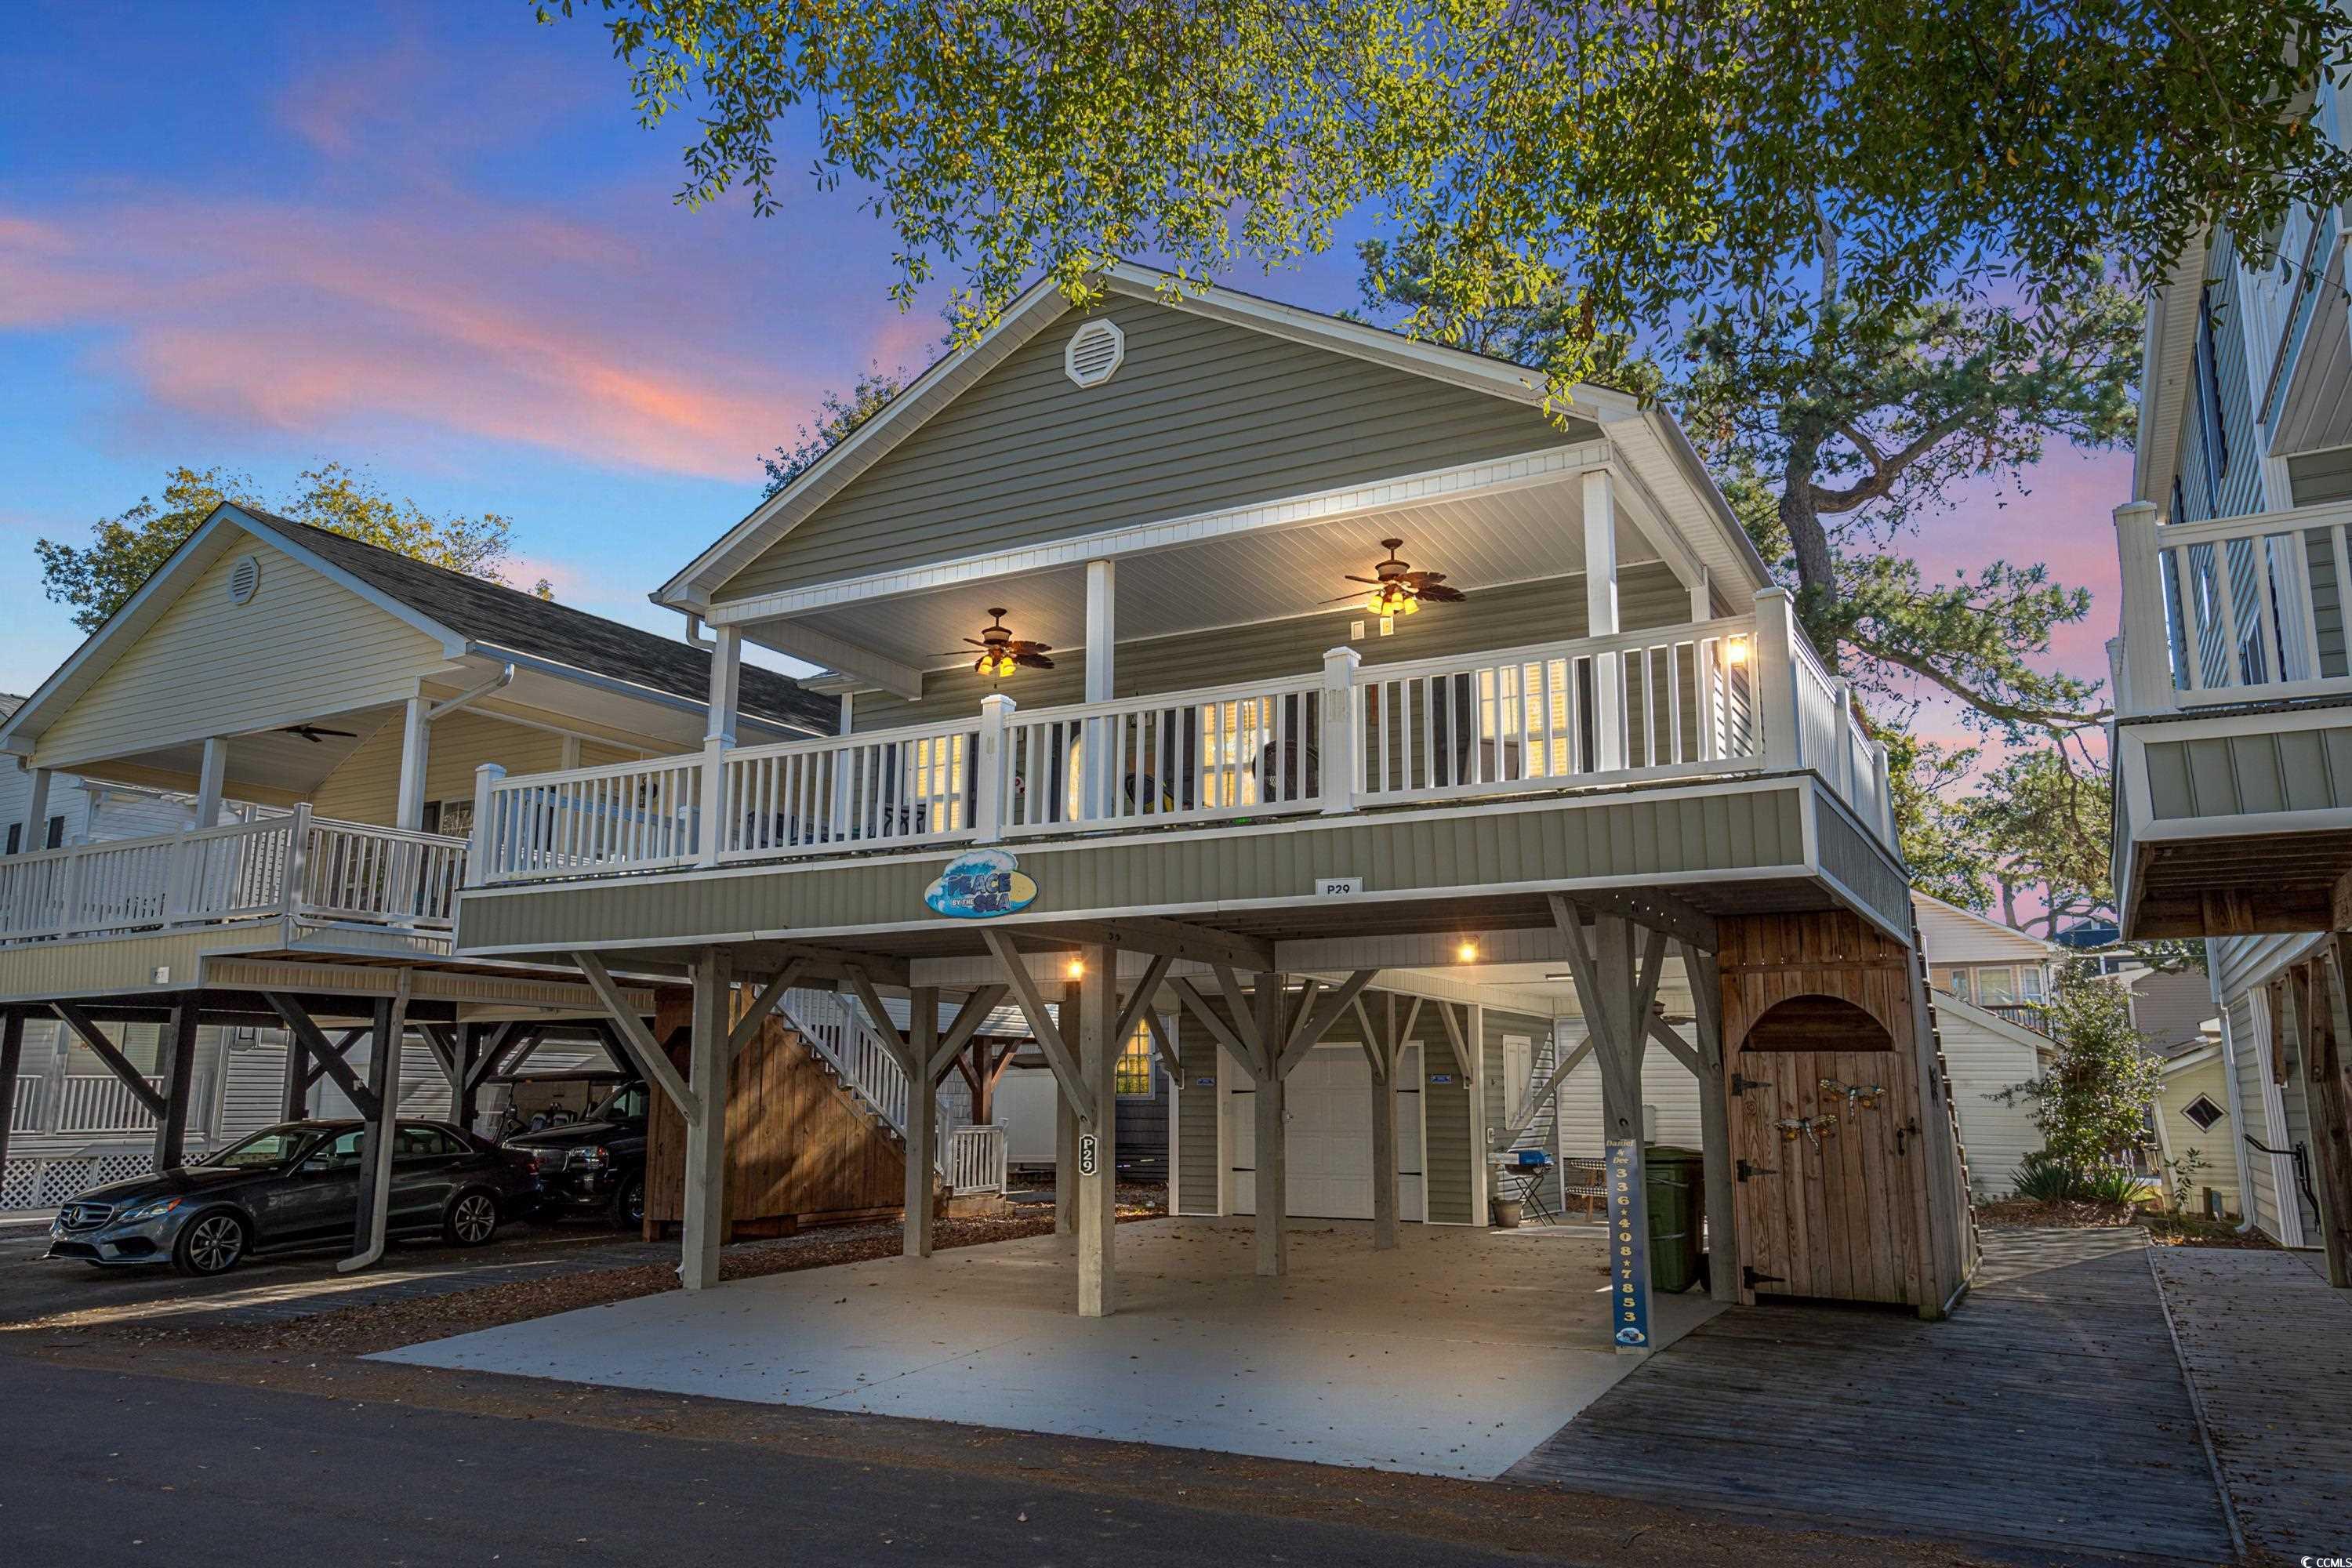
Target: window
15,837
1953,982
56,832
2208,365
1133,1078
2203,1112
1996,987
2029,983
264,1151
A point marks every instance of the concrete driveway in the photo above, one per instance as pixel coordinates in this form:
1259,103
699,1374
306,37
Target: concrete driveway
1454,1355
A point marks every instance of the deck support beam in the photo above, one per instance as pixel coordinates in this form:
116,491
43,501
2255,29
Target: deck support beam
1272,1160
12,1061
914,1051
1380,1043
705,1218
1706,979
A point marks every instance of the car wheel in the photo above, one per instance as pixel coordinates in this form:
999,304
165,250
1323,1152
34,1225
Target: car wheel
472,1220
629,1203
211,1243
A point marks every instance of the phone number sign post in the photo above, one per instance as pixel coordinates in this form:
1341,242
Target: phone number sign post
1629,1247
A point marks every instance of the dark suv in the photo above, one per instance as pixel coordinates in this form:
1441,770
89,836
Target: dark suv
295,1185
595,1165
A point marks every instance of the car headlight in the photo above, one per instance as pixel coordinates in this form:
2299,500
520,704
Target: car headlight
154,1210
590,1159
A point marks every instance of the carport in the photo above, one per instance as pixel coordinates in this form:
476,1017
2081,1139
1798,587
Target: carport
1455,1354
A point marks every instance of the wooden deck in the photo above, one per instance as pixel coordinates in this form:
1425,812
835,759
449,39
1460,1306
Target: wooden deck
2048,1418
2270,1347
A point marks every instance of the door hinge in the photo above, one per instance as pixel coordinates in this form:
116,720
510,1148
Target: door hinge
1750,1279
1741,1083
1908,1129
1746,1170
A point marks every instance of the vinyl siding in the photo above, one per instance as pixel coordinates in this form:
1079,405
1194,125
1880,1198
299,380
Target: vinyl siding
1587,837
1201,415
2215,1144
303,647
2231,776
1667,1088
2249,1060
1200,1158
1983,1061
1546,611
1495,1023
58,971
366,786
2316,476
2238,490
1948,935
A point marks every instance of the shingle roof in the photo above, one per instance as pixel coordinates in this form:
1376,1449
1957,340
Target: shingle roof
506,619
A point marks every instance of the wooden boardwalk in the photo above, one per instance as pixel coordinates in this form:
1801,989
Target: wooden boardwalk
2270,1347
2047,1419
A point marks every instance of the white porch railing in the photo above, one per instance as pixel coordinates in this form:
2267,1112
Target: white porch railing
1741,694
2237,610
25,1110
975,1159
840,1033
310,868
101,1102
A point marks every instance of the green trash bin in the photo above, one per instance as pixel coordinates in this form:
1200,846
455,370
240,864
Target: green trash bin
1676,1186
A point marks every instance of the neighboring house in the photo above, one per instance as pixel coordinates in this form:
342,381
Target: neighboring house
2192,1117
1988,1045
2172,1009
2232,744
1226,758
248,794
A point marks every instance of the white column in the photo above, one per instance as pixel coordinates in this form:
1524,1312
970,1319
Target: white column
1341,765
1384,1056
996,710
37,814
481,854
704,1226
1772,677
922,1118
1066,1123
848,724
1702,597
1273,1178
1102,637
1098,1138
2148,661
415,746
719,739
1601,616
211,776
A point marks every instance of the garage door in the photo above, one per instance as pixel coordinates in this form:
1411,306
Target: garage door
1331,1149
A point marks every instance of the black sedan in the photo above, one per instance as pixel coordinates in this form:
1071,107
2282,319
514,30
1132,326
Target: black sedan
293,1186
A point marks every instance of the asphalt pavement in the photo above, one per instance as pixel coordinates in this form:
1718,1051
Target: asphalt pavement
111,1467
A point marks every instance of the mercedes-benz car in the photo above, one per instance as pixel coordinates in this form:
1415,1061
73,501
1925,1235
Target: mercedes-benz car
293,1186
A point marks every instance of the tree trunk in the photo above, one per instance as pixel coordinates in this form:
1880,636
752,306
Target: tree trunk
1809,543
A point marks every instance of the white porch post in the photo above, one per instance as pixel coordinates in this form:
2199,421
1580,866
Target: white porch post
2147,684
719,739
480,856
1601,616
415,746
1098,1136
1273,1177
1384,1053
1102,636
1342,765
212,776
922,1117
1066,1126
37,814
848,724
996,710
1773,677
705,1223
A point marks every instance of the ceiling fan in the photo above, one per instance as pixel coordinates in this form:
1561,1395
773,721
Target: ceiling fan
1398,589
316,734
1001,653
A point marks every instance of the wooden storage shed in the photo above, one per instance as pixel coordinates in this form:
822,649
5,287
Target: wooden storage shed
801,1147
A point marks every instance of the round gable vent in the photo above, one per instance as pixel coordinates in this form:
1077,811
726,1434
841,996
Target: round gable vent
1094,353
244,579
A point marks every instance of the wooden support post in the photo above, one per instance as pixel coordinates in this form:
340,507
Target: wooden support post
1272,1163
705,1217
294,1089
179,1081
2328,1075
1616,998
328,1060
466,1099
922,1118
1380,1049
376,1136
1706,979
12,1061
1098,1044
105,1050
1066,1129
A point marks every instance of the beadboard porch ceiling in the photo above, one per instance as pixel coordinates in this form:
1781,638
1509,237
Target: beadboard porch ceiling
1505,536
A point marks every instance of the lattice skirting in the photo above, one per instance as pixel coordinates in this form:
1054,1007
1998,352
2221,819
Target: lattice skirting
43,1182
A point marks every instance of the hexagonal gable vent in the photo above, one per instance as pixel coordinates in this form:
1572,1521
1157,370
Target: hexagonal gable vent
244,579
1094,353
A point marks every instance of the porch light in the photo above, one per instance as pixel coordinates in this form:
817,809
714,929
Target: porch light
1466,953
1735,650
1075,969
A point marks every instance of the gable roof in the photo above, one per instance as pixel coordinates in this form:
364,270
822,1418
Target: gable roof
1649,437
1985,926
465,615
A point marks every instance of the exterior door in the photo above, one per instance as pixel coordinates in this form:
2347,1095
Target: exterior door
1825,1194
424,1162
1328,1139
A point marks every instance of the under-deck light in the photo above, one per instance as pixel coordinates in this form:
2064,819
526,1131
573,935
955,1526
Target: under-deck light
1075,969
1467,952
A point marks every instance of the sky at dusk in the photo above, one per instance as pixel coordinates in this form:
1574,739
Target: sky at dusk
432,241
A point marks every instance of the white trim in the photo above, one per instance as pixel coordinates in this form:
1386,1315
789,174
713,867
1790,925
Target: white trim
2275,1128
1526,470
2016,1034
2241,1155
1175,1116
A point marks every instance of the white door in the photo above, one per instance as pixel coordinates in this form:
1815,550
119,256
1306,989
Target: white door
1329,1146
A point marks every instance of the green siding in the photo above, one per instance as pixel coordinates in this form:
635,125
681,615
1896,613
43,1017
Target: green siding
1607,836
1200,417
1546,611
2291,770
1198,1154
2316,476
1448,1150
1850,856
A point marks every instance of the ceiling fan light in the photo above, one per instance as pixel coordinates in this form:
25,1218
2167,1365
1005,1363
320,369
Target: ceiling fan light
1411,607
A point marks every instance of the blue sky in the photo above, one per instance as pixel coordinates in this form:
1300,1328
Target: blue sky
431,240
